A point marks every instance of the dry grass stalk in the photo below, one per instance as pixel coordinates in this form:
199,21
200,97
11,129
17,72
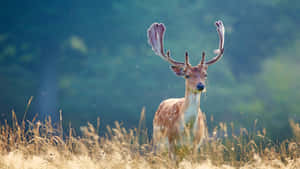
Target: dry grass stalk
38,144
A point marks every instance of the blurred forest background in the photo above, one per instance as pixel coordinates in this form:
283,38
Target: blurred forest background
91,59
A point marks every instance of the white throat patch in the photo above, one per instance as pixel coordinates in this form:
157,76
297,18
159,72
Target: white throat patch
192,108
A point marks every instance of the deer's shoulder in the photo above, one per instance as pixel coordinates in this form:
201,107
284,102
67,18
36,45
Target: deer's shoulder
170,106
168,111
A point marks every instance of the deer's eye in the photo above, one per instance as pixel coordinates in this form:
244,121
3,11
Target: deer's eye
187,76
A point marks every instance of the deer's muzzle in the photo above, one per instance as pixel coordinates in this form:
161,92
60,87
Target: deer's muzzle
200,86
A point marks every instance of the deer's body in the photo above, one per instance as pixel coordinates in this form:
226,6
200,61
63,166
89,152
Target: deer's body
175,115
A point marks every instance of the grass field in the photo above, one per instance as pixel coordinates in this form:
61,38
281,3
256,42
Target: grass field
35,144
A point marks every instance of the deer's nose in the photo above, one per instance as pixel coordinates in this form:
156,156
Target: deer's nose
200,86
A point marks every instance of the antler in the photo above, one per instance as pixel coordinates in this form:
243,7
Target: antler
155,39
220,51
202,59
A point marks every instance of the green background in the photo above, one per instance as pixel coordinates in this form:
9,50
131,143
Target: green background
91,59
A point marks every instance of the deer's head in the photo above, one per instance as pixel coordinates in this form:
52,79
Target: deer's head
195,75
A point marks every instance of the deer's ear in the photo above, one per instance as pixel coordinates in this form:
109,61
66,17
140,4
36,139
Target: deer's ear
178,70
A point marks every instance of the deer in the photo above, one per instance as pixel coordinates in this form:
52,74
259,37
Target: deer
174,115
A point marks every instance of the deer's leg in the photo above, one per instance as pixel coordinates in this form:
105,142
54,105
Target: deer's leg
159,135
200,131
172,154
172,150
156,132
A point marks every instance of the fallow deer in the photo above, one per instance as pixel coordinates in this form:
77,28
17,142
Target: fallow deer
173,115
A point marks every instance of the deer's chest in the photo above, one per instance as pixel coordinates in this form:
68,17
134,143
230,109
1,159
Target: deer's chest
192,108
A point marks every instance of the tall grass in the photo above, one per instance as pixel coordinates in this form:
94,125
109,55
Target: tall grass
37,144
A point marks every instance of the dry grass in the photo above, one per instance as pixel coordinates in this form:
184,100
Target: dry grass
38,144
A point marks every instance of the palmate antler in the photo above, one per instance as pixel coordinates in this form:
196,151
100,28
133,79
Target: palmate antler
156,40
220,51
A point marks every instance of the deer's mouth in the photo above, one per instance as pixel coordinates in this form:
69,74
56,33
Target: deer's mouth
197,91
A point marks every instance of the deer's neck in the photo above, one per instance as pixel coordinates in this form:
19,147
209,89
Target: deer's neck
192,116
191,106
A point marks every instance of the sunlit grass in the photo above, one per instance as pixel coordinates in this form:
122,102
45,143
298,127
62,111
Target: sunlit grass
36,144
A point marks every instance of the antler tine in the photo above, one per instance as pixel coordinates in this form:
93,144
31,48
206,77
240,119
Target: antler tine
202,59
220,51
155,39
187,63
